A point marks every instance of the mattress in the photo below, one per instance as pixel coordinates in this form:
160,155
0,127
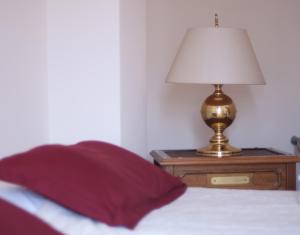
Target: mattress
197,211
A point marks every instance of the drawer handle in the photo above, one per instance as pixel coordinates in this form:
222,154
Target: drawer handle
230,180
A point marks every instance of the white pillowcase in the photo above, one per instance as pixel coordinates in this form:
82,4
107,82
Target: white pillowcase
21,197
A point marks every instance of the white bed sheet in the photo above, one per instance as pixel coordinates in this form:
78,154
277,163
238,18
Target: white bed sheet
199,211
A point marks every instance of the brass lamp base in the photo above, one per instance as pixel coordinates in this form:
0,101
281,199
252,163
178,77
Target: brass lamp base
218,112
216,150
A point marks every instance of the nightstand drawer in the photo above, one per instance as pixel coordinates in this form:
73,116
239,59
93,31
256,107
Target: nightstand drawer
256,178
272,176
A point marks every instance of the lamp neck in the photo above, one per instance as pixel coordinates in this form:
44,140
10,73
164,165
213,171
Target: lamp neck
218,89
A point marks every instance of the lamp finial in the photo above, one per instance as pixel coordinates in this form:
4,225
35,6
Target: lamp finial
216,20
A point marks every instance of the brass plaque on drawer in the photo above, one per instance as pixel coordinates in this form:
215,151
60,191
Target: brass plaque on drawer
232,179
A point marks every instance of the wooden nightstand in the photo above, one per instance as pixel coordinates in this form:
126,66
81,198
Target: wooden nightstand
257,168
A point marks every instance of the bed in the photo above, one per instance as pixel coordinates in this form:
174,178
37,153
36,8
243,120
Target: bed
177,210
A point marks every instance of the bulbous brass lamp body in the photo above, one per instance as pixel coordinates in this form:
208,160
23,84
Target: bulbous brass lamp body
218,111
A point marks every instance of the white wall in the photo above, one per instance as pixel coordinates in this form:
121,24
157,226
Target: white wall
133,75
23,88
60,73
267,115
84,70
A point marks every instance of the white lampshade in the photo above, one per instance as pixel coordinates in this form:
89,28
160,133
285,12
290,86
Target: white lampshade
216,56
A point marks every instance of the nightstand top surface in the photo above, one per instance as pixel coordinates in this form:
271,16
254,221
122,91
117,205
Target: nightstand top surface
248,155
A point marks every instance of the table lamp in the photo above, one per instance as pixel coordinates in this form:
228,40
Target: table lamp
217,56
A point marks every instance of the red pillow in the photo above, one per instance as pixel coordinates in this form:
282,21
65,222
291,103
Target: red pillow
96,179
15,221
